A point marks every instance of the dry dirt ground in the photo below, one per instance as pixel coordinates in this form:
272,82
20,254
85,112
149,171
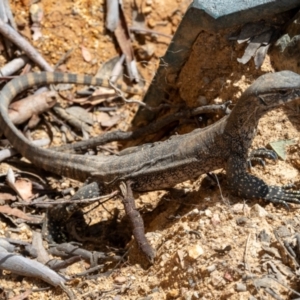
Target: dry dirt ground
208,242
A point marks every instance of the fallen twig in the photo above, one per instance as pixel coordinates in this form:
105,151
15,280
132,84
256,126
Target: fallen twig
56,264
13,66
150,31
30,268
71,119
91,257
24,45
56,202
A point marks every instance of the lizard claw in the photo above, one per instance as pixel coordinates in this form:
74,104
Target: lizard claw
257,155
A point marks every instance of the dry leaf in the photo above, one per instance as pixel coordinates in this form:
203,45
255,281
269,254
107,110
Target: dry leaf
260,56
5,209
22,296
7,197
123,37
24,188
24,109
81,114
106,120
111,122
86,54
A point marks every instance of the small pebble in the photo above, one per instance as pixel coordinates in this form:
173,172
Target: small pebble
208,213
211,268
195,251
120,280
147,10
215,220
216,279
242,221
151,23
201,100
206,80
258,211
146,51
218,101
240,287
173,293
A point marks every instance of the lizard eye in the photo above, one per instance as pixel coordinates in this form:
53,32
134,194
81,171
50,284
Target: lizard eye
282,92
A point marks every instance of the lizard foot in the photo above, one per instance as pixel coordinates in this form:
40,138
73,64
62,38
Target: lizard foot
283,195
57,217
257,156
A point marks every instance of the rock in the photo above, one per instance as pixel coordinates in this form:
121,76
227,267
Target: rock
194,251
217,280
258,211
240,287
240,208
215,220
211,268
145,52
208,213
173,293
120,279
201,100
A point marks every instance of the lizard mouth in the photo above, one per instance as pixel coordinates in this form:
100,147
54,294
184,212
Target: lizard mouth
279,97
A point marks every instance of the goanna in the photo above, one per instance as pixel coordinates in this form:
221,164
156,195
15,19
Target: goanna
161,165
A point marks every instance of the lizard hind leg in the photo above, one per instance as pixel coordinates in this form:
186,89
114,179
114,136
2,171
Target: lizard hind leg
57,216
250,187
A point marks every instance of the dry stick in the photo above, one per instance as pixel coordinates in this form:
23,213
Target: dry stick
284,285
88,271
104,198
24,45
146,30
13,66
136,221
246,253
121,95
287,253
75,122
6,17
63,58
119,135
215,177
141,103
8,14
56,265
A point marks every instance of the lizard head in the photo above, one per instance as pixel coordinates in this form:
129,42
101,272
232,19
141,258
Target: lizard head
274,89
267,92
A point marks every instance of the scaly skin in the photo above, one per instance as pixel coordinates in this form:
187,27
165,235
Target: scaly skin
161,165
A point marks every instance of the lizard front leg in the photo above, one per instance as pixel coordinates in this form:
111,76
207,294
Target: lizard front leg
258,155
249,186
